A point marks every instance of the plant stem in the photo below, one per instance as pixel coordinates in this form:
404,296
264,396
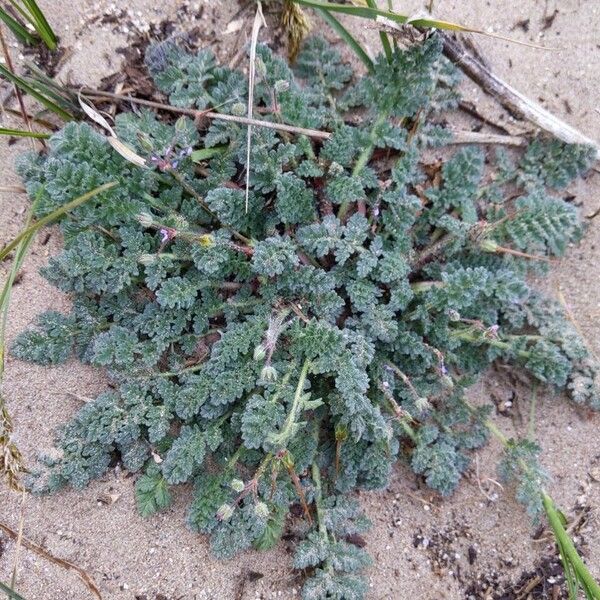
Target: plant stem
282,437
314,133
566,546
362,160
190,190
316,476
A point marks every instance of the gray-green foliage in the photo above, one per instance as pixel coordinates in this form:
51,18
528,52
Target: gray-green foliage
330,328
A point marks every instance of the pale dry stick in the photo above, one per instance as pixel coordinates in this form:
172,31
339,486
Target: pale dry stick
462,136
259,21
69,566
190,112
19,543
516,103
478,137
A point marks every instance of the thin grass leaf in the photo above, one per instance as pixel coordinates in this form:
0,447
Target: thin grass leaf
53,216
11,459
43,82
10,593
385,42
347,37
26,87
23,133
368,12
21,32
259,21
39,21
206,153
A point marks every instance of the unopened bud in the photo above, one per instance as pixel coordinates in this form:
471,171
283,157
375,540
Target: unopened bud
206,240
335,168
238,109
145,219
260,353
147,259
269,373
488,246
422,404
453,315
260,68
145,142
447,381
282,86
225,512
237,485
262,510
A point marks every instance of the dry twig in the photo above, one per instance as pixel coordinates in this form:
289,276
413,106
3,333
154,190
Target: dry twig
65,564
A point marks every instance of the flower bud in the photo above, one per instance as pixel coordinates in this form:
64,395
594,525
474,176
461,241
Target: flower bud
422,404
447,381
225,512
262,510
238,109
206,240
453,315
488,246
145,219
269,373
260,68
145,141
282,86
335,169
237,485
260,353
147,259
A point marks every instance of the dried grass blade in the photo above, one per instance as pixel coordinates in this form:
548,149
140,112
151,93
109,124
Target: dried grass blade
65,564
259,21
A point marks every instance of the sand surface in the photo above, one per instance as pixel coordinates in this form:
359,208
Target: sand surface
422,547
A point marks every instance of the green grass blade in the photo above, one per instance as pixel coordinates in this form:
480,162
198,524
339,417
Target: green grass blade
569,553
206,153
11,593
347,37
26,87
21,32
369,12
385,42
39,21
53,216
23,133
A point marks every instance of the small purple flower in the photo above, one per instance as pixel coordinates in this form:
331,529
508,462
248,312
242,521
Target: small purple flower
174,164
165,236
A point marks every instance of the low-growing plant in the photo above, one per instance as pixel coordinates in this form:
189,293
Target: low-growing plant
283,353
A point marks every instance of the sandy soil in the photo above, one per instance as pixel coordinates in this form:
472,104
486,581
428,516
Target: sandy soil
423,547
